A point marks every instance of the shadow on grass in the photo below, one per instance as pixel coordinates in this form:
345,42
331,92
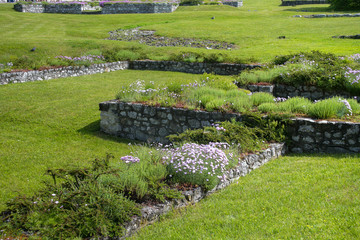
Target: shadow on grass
311,9
93,129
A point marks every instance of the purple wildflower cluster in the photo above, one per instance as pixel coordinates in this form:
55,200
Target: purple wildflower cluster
130,159
280,99
355,57
347,105
90,58
218,127
139,87
352,75
193,159
193,85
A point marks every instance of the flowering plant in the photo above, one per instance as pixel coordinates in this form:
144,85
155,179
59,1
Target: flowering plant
199,164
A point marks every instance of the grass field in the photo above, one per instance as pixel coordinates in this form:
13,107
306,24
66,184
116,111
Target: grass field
254,28
56,123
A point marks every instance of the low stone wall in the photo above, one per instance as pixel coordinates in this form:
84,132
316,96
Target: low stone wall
294,3
150,214
194,68
72,71
309,136
49,8
139,8
284,91
153,124
31,8
233,3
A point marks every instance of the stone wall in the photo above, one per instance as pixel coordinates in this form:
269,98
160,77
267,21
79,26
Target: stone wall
233,3
329,15
138,8
31,8
49,8
150,214
309,136
72,71
153,124
194,68
284,91
294,3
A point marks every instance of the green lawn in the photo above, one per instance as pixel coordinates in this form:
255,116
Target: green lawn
55,123
254,28
293,197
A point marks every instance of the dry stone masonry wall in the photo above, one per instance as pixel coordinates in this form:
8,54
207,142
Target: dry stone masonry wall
153,124
49,8
309,136
73,71
311,92
194,68
139,8
233,3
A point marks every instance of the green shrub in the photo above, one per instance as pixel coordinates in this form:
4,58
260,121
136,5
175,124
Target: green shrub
76,204
261,97
345,4
329,108
229,132
190,2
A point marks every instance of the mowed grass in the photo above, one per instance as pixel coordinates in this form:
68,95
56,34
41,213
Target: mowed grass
293,197
254,28
55,123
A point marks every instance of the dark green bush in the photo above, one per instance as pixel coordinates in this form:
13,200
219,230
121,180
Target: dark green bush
345,4
190,2
251,134
76,204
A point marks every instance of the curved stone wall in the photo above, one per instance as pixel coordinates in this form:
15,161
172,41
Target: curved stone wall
72,71
153,124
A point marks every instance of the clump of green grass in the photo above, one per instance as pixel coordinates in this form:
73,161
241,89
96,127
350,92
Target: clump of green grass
261,97
329,108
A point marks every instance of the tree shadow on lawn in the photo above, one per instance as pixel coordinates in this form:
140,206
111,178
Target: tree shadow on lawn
325,155
93,129
311,9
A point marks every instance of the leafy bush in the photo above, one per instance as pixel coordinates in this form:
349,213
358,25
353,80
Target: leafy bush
190,2
76,204
345,4
228,132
